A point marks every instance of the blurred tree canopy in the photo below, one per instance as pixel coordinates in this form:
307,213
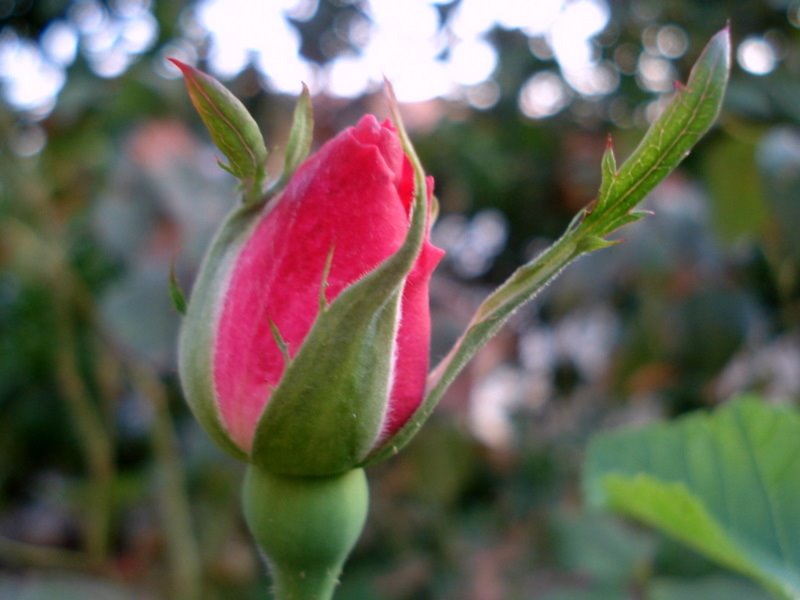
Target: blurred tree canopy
106,178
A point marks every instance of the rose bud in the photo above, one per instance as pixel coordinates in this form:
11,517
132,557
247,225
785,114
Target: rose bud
305,342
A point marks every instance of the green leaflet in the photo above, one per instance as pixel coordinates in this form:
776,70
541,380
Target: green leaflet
232,128
236,134
690,113
723,483
326,413
687,117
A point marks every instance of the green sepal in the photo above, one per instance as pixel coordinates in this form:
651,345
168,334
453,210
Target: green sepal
225,168
196,341
175,291
434,210
323,287
232,128
688,116
326,414
300,137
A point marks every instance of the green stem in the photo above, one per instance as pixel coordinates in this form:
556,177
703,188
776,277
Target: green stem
306,527
523,285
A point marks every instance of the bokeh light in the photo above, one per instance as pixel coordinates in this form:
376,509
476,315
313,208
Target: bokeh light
427,48
756,55
60,43
30,81
424,55
543,95
655,73
241,31
672,41
111,38
471,244
425,52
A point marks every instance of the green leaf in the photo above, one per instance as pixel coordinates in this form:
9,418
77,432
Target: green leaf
604,548
689,115
300,138
725,484
580,592
232,128
706,588
327,412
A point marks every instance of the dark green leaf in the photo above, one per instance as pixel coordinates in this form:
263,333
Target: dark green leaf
706,588
601,546
725,484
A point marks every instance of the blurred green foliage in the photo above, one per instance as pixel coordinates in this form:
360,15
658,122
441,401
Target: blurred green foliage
108,489
723,483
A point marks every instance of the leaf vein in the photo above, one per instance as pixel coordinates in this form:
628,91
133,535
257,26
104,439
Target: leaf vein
763,488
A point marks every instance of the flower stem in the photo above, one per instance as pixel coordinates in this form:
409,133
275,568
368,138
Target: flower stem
306,527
